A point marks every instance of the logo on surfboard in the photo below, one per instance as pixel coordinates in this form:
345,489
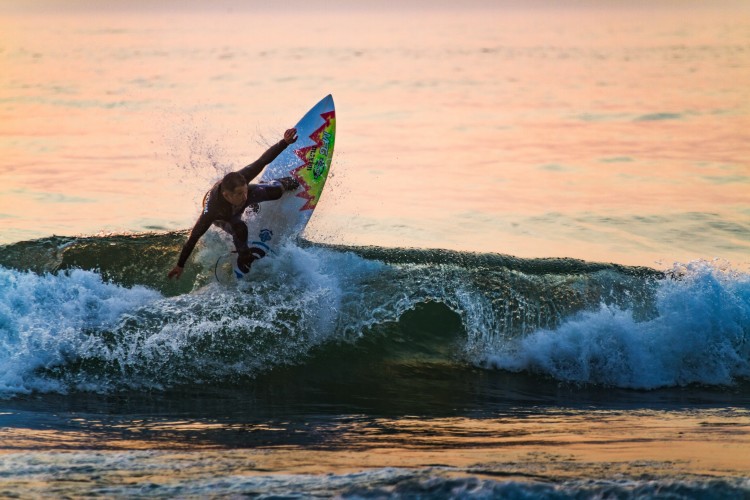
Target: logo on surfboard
265,235
317,160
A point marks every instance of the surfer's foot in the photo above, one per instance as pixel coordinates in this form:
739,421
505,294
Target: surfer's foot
246,258
289,183
244,261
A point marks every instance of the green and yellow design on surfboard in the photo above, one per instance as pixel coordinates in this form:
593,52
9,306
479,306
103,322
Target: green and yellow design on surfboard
317,160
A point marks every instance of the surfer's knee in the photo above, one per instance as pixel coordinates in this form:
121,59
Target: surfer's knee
274,190
266,191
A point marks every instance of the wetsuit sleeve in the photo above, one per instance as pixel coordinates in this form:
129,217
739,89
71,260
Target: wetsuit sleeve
251,171
200,228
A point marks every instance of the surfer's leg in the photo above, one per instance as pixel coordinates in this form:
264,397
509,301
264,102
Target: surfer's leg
271,190
237,229
239,234
245,256
257,193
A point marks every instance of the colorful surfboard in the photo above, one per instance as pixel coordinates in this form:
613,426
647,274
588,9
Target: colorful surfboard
308,160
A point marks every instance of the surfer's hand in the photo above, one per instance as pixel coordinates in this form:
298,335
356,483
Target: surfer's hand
176,272
290,136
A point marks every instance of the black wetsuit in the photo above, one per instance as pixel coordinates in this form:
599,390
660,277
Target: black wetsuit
217,210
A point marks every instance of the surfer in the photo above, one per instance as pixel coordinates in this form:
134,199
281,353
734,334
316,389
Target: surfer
226,201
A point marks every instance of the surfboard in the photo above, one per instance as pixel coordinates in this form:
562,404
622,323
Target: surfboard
308,160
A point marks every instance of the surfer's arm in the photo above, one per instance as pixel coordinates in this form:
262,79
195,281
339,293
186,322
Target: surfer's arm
251,171
200,228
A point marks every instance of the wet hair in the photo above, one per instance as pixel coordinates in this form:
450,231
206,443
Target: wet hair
232,181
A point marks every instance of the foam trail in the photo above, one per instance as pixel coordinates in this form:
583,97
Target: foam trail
701,334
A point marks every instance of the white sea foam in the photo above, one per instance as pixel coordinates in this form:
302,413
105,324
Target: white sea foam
700,334
75,331
43,319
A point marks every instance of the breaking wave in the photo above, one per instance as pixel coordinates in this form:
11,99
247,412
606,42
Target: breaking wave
97,314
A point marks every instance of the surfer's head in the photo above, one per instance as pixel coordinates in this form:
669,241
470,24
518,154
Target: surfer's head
234,188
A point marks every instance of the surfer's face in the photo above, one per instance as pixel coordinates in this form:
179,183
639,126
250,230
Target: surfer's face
237,196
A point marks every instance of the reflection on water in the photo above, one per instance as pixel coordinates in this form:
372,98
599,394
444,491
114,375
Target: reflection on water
408,408
565,440
289,432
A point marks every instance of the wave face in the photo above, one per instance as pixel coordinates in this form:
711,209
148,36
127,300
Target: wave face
97,314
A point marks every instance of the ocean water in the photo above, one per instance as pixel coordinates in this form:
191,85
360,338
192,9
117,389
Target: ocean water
527,278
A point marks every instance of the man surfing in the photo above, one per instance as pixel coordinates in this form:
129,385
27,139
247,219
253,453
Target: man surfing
226,201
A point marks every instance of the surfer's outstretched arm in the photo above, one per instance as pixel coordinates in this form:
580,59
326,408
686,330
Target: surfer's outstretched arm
251,171
200,228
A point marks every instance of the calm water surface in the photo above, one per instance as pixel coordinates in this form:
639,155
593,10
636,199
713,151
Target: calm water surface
605,135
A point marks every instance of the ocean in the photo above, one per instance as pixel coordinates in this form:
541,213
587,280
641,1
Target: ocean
527,276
